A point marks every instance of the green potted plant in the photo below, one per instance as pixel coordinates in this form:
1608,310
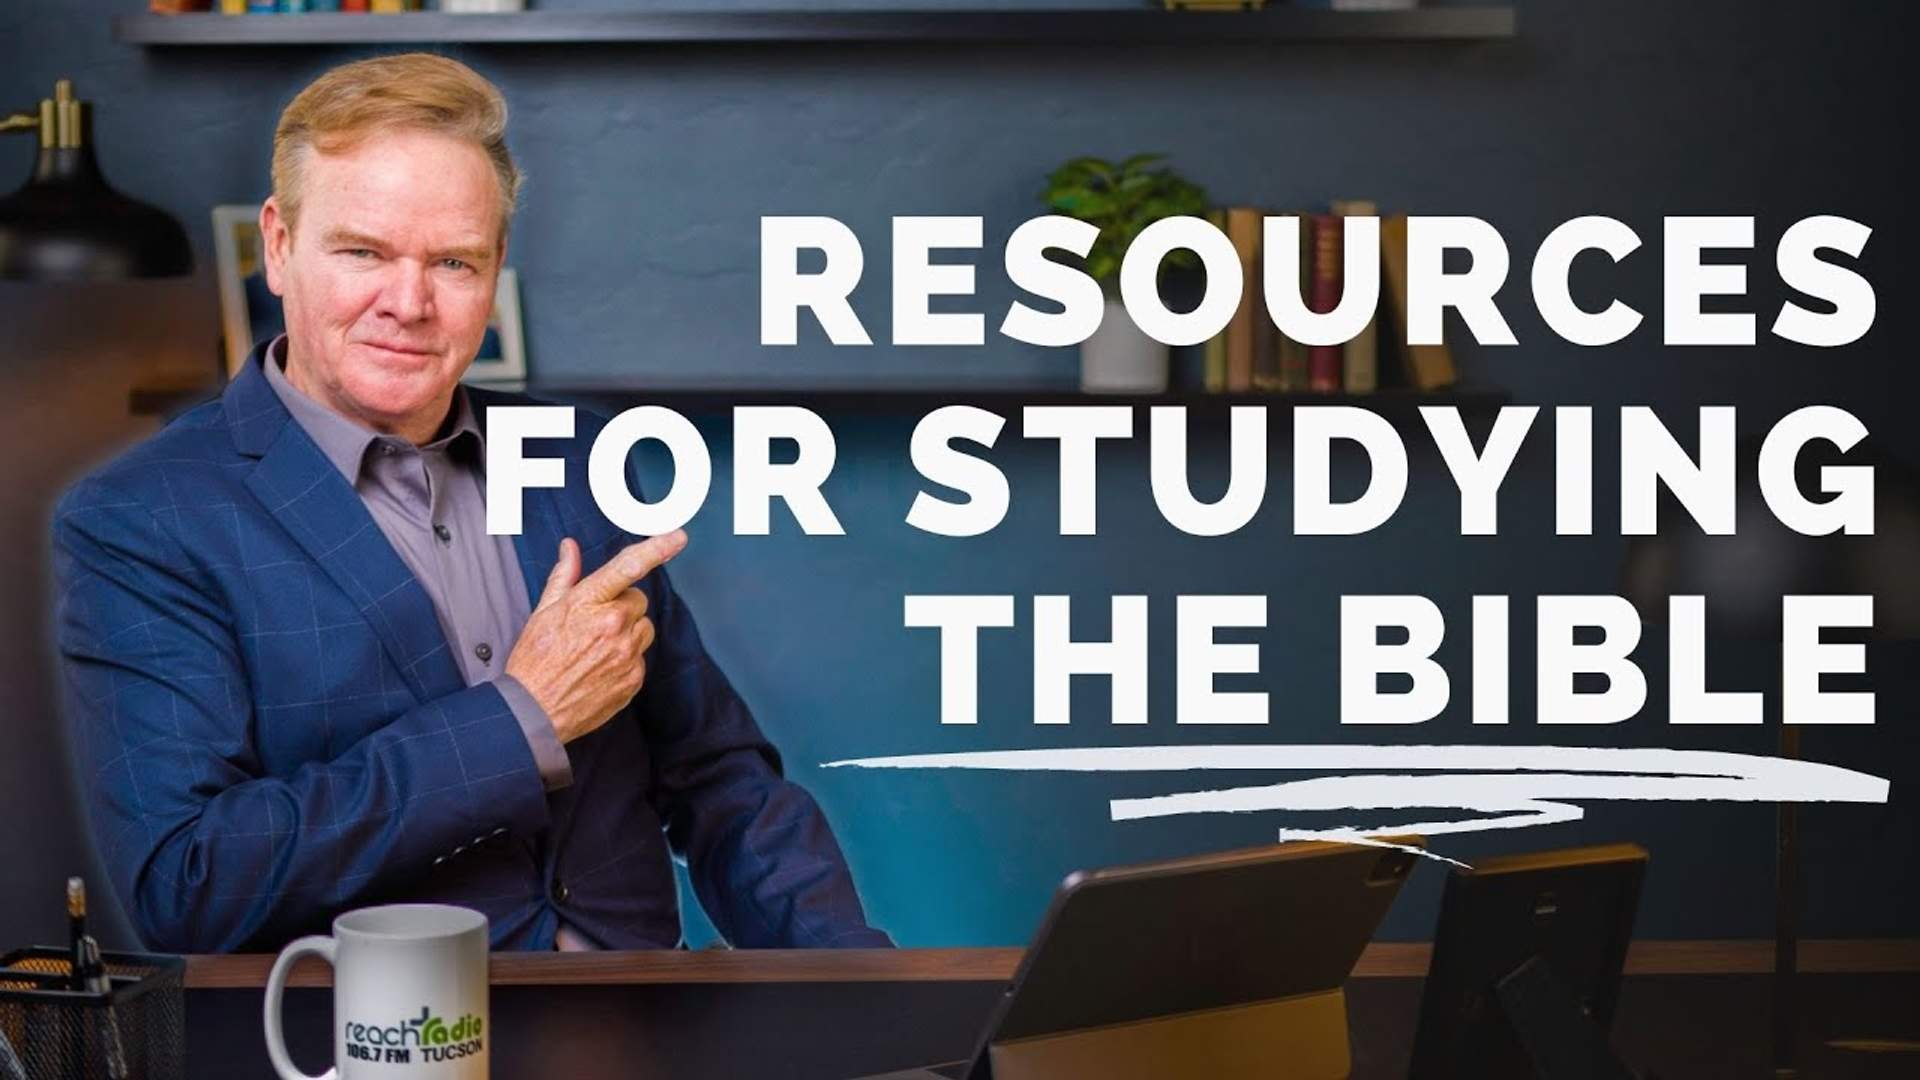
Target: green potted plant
1122,200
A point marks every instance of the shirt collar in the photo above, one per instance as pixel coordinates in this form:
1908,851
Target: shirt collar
345,441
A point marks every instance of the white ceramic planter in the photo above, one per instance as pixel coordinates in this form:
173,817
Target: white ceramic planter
1120,358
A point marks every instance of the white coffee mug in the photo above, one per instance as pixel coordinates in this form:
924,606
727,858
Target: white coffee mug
409,995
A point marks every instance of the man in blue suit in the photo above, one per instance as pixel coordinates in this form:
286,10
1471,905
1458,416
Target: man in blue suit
303,677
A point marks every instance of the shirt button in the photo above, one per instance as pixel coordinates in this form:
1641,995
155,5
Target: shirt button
445,534
484,651
561,894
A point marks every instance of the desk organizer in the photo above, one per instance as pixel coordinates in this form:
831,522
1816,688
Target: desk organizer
134,1031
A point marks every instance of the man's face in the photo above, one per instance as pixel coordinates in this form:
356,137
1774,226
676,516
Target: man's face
388,280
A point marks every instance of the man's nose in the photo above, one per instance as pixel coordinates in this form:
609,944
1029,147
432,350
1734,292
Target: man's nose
408,296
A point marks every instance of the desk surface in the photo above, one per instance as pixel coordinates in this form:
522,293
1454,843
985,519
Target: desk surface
1688,1009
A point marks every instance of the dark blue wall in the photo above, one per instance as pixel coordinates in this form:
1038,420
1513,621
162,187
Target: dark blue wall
637,250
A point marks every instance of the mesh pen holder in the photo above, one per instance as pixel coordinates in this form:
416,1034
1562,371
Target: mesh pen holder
135,1031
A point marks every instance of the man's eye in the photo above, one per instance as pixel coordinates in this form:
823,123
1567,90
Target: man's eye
455,264
359,253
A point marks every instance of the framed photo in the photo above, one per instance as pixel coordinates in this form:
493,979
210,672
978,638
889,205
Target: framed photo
250,313
502,360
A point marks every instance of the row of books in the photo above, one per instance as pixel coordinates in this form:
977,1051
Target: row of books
1252,355
375,7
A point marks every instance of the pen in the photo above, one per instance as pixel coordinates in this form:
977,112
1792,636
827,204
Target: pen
89,974
77,1035
100,983
77,972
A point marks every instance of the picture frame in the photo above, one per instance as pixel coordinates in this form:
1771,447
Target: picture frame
502,360
250,312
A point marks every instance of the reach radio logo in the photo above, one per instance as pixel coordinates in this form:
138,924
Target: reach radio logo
425,1038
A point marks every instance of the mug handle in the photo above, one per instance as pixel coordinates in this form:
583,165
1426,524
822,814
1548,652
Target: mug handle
318,945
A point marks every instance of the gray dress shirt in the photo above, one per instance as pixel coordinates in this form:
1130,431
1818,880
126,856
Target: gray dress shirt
430,501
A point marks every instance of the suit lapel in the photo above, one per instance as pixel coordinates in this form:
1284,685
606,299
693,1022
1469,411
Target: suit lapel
296,483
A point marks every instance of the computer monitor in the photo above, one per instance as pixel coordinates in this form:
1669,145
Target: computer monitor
1526,966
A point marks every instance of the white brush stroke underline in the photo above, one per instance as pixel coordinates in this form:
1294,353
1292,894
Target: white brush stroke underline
1506,787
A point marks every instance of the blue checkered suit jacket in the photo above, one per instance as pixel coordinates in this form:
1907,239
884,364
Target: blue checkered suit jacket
271,728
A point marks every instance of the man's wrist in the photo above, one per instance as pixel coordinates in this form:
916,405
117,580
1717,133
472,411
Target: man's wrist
549,756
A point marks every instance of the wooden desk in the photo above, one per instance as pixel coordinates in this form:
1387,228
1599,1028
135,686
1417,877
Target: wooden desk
1689,1009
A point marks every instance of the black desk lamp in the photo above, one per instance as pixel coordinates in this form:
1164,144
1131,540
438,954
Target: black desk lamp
65,223
1743,578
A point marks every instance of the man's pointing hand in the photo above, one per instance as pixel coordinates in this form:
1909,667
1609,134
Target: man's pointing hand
582,654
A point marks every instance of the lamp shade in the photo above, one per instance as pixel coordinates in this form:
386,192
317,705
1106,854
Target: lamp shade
67,224
1743,576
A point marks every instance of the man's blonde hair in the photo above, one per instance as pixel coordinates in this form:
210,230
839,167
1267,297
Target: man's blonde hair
417,91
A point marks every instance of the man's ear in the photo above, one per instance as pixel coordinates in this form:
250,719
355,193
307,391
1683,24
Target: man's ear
276,243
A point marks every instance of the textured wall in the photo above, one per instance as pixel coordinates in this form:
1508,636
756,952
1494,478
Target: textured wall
637,249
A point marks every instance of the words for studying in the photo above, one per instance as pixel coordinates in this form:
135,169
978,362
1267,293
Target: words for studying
952,449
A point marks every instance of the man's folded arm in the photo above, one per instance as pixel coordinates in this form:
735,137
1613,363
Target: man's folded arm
762,858
209,852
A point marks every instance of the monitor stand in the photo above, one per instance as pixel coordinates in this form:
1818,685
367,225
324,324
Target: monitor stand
1554,1028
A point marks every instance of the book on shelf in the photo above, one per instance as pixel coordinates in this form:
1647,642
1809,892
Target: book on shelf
257,7
322,7
1253,354
1324,361
1360,356
1427,367
1293,354
1266,336
1243,228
